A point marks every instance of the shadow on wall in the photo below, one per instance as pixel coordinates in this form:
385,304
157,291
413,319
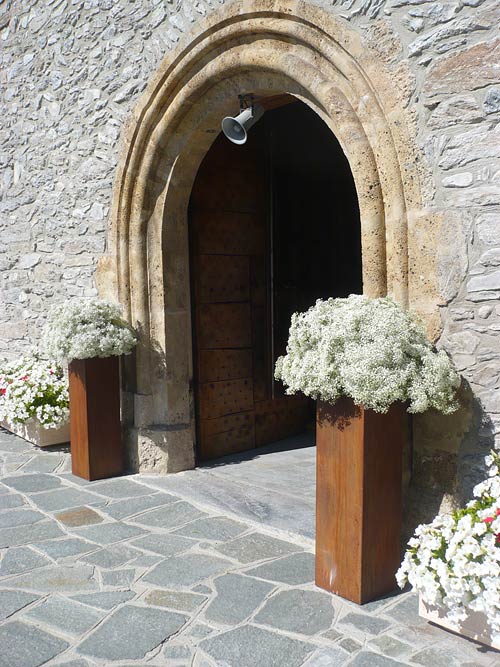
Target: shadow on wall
448,459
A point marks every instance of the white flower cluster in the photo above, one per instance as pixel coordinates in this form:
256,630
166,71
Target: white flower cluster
31,388
369,349
85,328
455,560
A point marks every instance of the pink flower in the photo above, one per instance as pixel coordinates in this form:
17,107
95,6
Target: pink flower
489,519
2,392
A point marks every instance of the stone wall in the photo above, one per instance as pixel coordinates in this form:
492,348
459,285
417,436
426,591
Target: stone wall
71,71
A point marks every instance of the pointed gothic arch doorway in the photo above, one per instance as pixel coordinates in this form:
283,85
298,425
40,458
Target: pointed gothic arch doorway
248,45
274,225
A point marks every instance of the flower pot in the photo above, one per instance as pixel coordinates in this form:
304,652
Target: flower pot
94,408
474,627
34,432
358,499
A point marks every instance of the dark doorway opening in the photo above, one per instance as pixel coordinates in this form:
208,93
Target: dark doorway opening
274,225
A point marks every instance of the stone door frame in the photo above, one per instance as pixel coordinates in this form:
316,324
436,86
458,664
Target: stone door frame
266,48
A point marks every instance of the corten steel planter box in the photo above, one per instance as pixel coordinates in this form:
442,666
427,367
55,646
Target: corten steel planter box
358,499
474,627
34,432
94,412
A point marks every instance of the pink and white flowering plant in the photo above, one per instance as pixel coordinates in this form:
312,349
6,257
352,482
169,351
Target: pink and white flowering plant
454,562
32,388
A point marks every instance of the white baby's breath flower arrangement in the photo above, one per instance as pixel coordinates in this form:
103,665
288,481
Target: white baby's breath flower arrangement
87,328
370,350
32,388
454,562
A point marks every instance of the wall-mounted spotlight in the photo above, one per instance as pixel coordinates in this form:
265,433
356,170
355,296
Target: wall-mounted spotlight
236,128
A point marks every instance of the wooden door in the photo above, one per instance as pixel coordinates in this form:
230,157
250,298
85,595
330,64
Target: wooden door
230,276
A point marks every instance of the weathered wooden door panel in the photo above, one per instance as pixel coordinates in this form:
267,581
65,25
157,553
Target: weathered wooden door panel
230,260
280,417
215,365
231,233
224,278
225,398
226,435
224,325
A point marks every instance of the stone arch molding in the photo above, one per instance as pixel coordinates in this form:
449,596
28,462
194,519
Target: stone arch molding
269,48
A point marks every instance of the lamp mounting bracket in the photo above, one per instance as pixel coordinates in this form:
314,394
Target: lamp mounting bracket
247,101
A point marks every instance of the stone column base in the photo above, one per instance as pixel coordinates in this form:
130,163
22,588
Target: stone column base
159,449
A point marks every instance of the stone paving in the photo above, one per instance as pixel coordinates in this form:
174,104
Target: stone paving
127,572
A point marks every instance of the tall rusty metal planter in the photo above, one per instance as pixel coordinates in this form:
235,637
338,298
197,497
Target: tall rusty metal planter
358,499
95,429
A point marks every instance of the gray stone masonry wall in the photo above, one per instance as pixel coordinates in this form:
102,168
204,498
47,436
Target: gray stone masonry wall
72,70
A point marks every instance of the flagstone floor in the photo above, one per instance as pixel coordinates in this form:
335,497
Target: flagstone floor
198,569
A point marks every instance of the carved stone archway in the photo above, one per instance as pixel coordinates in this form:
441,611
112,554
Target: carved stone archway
266,48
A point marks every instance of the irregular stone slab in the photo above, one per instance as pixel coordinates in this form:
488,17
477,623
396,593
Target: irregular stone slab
350,645
332,634
217,528
295,569
113,556
131,632
257,547
170,516
331,656
32,483
201,588
74,663
175,600
304,612
66,498
21,559
123,509
364,623
406,611
249,646
57,578
237,598
69,546
79,481
108,533
166,545
145,560
390,646
121,488
200,631
253,503
10,500
439,656
369,659
104,599
65,615
43,463
38,532
468,69
27,645
12,601
118,578
186,570
178,652
10,443
81,516
20,517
